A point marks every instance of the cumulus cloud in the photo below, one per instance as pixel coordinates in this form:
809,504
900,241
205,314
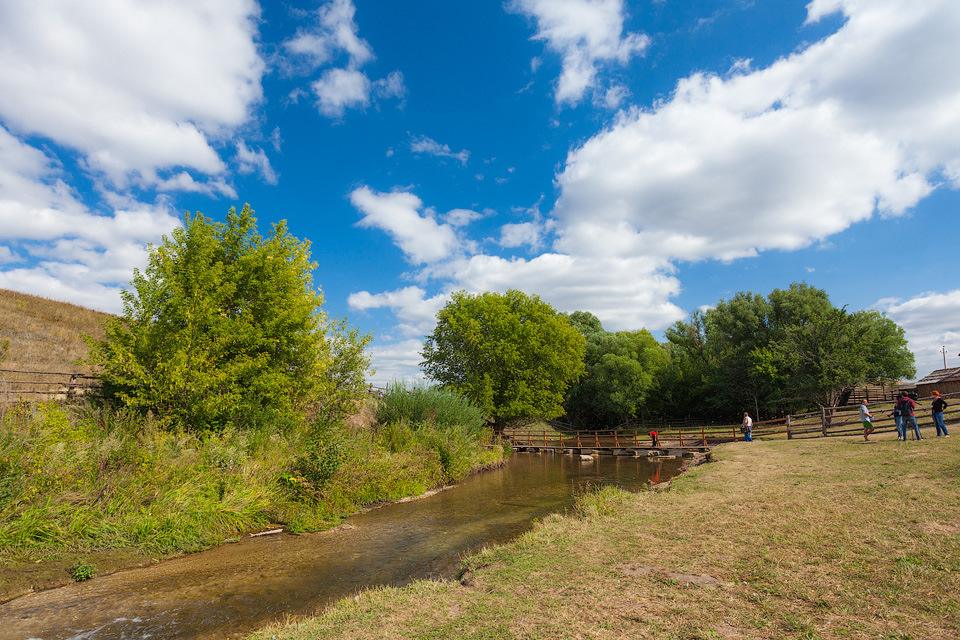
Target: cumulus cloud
334,36
781,157
90,77
585,34
340,89
399,213
415,311
931,321
397,362
57,246
520,234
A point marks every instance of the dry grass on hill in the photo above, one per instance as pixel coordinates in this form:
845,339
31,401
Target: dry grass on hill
44,335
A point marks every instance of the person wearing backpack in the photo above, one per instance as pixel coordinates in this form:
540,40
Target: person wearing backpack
746,427
939,404
907,407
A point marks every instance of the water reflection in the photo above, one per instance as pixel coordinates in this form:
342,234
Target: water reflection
229,591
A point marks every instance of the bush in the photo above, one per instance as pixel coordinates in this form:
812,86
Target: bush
82,571
439,408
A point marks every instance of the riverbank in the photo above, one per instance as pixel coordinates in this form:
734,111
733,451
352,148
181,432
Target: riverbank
87,491
820,538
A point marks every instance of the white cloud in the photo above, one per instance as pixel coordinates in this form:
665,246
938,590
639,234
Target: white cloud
520,234
931,321
134,87
397,362
781,157
7,255
431,147
420,237
334,33
63,250
339,88
461,217
585,33
416,313
250,161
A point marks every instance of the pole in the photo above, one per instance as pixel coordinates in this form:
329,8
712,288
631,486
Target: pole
943,350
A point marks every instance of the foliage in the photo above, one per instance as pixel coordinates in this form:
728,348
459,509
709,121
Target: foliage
224,328
789,351
85,477
511,354
621,371
82,571
428,406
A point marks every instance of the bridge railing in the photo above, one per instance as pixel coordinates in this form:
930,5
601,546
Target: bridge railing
703,436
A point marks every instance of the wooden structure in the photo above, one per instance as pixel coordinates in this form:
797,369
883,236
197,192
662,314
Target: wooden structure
20,385
827,422
943,380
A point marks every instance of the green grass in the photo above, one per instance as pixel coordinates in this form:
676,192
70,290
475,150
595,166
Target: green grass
76,479
825,538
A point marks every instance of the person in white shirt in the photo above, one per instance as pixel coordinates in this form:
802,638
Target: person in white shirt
866,418
746,428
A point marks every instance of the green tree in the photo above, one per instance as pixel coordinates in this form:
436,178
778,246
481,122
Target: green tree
620,370
224,327
511,354
789,351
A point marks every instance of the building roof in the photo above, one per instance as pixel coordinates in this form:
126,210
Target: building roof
941,375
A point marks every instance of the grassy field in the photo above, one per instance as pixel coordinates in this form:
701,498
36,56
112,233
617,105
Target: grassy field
818,538
44,335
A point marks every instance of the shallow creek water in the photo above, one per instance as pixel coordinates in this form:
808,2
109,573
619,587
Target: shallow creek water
230,591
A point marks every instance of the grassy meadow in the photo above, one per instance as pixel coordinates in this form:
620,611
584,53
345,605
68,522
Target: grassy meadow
38,334
819,538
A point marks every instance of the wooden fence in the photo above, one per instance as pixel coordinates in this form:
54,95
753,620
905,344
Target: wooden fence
827,422
21,385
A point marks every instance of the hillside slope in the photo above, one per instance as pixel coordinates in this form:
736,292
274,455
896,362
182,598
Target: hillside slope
45,335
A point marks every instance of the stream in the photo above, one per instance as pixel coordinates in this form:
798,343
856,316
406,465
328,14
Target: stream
232,590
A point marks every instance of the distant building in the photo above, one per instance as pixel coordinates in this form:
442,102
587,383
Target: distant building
943,380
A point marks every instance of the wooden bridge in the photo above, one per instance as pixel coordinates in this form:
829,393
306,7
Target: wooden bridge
635,443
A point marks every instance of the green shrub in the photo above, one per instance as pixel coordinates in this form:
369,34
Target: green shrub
436,407
82,571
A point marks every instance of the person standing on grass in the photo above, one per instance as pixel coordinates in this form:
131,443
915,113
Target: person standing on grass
939,404
746,427
866,418
898,418
907,407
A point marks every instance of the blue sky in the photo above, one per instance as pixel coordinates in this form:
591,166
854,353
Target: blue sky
638,160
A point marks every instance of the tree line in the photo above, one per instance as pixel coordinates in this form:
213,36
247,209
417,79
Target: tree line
782,353
225,328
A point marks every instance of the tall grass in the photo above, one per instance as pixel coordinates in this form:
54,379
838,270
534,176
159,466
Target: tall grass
82,477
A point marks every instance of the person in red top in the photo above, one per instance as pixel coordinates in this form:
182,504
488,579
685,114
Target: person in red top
907,407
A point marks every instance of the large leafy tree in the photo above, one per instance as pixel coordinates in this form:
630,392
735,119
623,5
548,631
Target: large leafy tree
511,354
224,327
791,350
620,371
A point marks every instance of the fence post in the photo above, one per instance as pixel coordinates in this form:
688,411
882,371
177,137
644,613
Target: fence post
789,430
823,421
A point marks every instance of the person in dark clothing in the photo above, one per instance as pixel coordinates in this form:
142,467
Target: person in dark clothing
939,404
